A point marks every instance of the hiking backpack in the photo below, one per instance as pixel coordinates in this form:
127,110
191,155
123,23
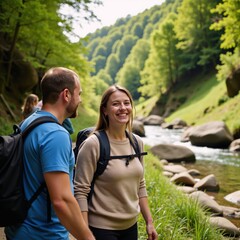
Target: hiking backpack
105,151
13,204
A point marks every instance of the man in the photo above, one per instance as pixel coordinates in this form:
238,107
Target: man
48,157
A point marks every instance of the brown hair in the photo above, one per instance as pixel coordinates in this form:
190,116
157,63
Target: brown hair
29,103
103,121
55,81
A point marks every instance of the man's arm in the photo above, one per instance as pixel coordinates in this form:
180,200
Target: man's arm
66,206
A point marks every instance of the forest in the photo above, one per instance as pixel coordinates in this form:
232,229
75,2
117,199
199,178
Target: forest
150,53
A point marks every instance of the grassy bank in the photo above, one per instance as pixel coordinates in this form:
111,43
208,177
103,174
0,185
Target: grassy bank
199,100
176,217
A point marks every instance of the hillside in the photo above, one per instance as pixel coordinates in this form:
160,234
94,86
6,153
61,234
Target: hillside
199,100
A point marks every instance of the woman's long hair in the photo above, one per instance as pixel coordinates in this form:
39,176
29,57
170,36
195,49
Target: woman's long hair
30,102
103,121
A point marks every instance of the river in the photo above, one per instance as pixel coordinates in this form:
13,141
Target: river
225,165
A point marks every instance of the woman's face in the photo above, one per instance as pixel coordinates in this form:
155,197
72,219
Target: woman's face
119,108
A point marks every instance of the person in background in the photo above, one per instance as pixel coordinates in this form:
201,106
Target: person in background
49,158
120,192
30,105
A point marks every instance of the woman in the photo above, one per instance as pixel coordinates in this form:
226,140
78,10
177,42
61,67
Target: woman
30,105
120,192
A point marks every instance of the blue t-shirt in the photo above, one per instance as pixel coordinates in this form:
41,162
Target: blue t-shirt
47,148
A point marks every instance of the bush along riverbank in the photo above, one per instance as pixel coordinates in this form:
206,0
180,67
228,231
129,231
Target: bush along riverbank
177,216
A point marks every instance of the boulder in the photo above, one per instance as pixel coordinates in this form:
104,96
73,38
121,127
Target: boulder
183,178
212,134
235,146
233,197
185,134
173,153
138,128
153,120
233,83
207,202
175,124
232,212
186,189
208,183
174,168
194,172
229,229
167,174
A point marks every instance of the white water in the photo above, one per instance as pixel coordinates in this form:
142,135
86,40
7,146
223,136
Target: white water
157,135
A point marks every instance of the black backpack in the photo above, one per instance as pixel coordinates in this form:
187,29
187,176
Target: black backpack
13,204
105,151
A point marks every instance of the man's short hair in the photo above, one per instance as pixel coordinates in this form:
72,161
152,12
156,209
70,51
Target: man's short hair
55,81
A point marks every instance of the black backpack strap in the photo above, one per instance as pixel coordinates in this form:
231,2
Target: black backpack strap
104,157
37,122
82,136
25,132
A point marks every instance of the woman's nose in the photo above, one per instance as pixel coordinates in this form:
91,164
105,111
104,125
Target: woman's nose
122,106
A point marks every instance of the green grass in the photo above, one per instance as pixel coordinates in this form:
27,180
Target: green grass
176,217
144,108
86,118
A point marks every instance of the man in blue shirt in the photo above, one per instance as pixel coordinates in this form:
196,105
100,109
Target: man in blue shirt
48,157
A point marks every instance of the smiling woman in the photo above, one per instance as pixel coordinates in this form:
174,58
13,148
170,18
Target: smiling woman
114,206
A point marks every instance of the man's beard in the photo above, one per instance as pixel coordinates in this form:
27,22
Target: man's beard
72,110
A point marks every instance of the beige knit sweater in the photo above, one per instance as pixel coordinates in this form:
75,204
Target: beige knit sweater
115,201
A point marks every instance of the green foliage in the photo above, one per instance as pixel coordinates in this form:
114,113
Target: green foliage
125,47
112,65
36,31
100,62
229,22
129,75
105,77
229,63
192,29
99,50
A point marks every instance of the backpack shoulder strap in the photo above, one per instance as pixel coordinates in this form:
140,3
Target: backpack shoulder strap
104,156
37,122
26,131
134,143
81,137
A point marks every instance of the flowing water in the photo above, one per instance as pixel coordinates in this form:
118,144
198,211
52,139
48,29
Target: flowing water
225,165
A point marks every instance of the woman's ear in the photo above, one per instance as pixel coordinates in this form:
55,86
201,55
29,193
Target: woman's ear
104,111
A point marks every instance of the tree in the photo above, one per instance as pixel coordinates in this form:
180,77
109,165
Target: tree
112,66
192,29
229,23
162,69
100,62
36,31
129,75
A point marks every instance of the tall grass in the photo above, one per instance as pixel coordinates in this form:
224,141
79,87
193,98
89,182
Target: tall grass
176,216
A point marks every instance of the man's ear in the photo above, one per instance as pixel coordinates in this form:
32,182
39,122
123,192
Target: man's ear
66,95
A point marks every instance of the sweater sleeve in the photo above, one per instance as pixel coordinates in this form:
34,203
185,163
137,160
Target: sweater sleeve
86,165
